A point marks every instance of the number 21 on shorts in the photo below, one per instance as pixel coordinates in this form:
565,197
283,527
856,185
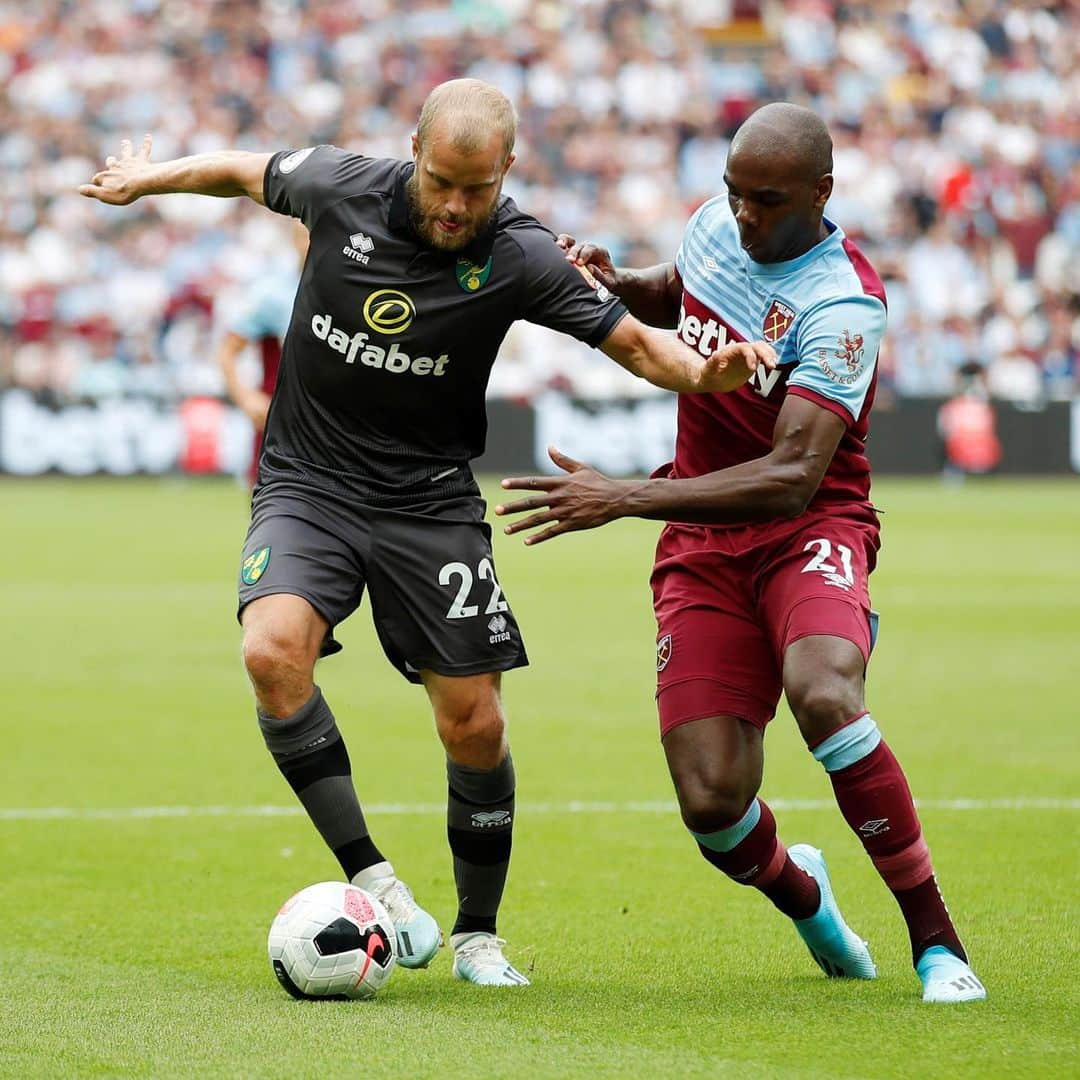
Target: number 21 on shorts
460,609
842,576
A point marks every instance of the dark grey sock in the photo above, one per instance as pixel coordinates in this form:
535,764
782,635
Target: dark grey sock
311,755
480,818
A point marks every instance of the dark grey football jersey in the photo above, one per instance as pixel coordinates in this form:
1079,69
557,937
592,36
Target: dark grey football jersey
380,396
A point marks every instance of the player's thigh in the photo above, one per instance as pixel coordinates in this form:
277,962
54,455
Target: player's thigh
296,548
436,599
816,582
712,657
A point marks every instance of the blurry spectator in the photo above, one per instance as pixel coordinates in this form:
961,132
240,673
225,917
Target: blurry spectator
968,427
957,160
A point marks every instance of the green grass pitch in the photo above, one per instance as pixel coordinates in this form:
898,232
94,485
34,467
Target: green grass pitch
135,945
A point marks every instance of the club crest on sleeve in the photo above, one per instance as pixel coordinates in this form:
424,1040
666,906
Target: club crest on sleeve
663,652
601,291
850,350
777,320
470,276
294,160
254,566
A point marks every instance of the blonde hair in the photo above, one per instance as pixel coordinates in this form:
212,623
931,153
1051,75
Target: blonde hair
473,110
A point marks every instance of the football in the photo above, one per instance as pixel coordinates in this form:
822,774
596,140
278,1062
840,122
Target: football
332,940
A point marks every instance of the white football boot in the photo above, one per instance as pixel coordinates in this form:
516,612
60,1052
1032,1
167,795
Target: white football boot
946,978
418,934
478,958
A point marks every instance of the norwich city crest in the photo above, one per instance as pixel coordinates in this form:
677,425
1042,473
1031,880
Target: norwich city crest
254,565
470,276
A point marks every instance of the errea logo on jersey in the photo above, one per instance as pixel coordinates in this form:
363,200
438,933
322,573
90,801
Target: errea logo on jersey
390,359
358,248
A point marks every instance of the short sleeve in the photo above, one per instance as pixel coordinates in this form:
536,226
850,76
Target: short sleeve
688,233
302,183
557,295
837,345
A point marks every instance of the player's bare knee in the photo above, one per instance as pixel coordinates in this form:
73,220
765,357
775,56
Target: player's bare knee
274,659
473,737
824,704
712,801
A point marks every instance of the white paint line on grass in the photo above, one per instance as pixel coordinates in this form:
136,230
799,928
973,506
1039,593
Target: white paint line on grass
141,813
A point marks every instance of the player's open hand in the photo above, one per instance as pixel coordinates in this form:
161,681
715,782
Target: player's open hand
591,259
582,498
118,183
731,365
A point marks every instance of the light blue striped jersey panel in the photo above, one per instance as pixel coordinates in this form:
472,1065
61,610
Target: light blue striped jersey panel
825,328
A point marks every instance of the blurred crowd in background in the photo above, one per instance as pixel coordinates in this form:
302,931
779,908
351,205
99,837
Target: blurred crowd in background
957,163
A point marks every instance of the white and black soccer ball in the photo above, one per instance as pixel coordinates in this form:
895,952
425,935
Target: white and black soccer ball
332,940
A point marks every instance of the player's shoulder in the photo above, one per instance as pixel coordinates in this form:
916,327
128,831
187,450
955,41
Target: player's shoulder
519,226
337,166
710,245
842,273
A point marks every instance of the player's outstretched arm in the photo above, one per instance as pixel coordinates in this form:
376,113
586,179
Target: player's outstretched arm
224,173
778,485
665,361
652,295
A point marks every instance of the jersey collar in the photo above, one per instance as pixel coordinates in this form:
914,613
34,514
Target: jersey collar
778,269
479,248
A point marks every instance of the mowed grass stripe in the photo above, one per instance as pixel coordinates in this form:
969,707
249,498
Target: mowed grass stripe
123,813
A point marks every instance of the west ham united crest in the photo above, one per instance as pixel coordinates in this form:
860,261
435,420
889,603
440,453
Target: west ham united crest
663,652
777,320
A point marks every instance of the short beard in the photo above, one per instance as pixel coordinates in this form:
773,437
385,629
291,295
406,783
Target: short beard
428,230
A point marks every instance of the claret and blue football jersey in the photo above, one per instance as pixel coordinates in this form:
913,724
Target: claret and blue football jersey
823,312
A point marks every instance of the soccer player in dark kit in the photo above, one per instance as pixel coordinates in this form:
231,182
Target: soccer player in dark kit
760,580
414,273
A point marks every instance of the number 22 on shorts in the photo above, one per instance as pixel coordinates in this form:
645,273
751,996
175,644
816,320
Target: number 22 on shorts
459,609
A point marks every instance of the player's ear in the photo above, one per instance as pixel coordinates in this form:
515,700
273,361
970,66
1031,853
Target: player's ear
510,159
823,191
415,145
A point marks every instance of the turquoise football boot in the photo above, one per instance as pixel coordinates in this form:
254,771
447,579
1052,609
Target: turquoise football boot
835,947
947,978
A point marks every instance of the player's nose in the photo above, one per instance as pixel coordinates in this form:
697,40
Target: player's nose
455,203
745,218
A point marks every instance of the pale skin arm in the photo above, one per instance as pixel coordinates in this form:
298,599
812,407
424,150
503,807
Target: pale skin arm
249,398
665,361
223,173
652,297
778,485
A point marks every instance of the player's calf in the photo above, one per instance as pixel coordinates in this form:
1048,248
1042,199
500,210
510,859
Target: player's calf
875,799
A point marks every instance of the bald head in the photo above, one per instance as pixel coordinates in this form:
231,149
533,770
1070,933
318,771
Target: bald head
792,136
467,113
779,177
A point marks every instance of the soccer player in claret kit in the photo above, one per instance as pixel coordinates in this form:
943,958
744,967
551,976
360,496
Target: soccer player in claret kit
760,580
261,321
414,273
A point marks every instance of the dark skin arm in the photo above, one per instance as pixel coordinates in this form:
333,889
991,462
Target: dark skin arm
652,295
778,485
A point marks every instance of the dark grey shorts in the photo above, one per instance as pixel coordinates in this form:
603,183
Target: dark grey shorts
435,600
